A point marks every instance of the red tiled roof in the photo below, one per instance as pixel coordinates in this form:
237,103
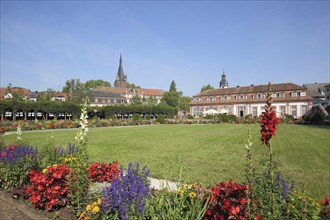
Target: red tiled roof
252,89
140,91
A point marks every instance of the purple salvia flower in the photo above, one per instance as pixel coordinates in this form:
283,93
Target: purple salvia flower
285,189
128,193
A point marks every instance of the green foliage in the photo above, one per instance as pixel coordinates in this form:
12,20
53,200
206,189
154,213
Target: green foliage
314,118
136,117
136,100
225,118
172,97
184,103
165,205
206,87
161,119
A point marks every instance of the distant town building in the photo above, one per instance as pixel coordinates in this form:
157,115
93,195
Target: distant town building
317,92
60,96
120,93
327,93
288,98
9,93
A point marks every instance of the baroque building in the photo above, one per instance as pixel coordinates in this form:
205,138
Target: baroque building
288,98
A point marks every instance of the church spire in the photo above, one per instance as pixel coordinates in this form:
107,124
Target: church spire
223,83
121,78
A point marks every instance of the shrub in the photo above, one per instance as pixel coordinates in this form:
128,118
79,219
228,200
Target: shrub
136,117
161,119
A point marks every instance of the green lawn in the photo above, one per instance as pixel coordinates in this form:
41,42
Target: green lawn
208,153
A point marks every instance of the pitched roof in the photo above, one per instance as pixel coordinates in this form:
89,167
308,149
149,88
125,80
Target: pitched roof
138,91
251,89
61,94
102,94
315,89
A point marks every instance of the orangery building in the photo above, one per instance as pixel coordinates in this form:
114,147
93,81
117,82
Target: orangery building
287,98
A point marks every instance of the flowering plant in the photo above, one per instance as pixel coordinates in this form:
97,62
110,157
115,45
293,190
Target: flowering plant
127,195
100,172
48,189
228,201
325,208
91,211
15,162
269,120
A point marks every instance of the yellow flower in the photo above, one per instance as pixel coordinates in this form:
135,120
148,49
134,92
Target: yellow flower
45,170
180,192
99,201
192,195
89,207
96,210
193,186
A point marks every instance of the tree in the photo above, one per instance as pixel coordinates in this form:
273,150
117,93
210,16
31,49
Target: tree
151,101
46,95
136,100
208,86
76,91
132,85
92,84
172,97
184,103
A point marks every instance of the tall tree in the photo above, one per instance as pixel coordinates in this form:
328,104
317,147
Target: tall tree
76,91
172,97
206,87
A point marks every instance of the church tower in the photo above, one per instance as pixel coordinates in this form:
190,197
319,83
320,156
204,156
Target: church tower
223,83
121,78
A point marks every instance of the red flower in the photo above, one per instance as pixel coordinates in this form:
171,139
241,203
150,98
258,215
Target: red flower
269,121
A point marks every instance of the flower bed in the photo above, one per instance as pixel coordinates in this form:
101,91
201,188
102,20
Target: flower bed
62,178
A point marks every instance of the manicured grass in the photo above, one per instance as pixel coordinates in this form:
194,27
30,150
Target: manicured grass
207,153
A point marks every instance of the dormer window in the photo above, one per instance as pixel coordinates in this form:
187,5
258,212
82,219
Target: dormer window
237,97
244,96
254,96
228,98
213,99
207,99
262,96
302,93
194,100
281,95
221,98
294,94
274,95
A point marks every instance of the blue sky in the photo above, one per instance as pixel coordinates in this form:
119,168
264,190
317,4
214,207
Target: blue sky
43,44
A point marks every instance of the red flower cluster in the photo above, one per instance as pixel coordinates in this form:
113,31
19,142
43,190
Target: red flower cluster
100,172
326,201
269,120
48,190
228,201
268,126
